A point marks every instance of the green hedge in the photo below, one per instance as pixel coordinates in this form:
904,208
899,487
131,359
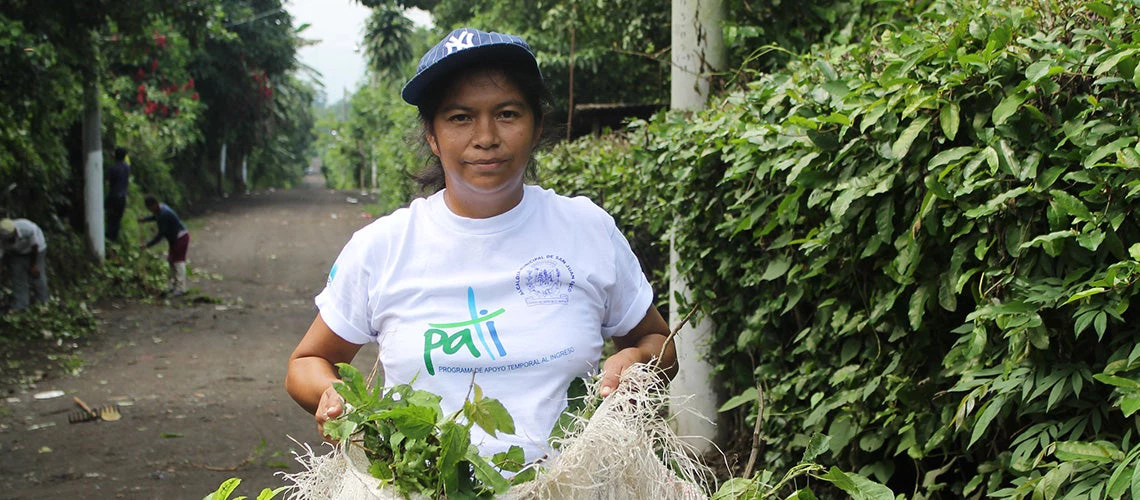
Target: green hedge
922,249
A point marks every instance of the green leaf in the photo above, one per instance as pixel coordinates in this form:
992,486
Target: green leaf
918,306
340,429
990,411
1129,404
415,422
817,445
454,441
1051,483
1007,107
1048,238
1112,61
737,488
1091,241
268,494
490,415
486,473
950,156
1107,149
906,139
1071,205
948,119
351,386
1118,381
224,490
1096,290
859,487
1041,70
1100,323
1135,486
776,268
748,396
1071,451
513,459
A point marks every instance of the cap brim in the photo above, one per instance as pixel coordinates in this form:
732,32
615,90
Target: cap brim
414,90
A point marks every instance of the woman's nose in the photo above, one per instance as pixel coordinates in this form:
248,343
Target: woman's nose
486,134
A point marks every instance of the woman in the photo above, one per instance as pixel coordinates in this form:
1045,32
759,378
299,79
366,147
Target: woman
488,280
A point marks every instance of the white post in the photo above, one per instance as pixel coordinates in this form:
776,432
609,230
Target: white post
244,173
93,168
222,172
698,51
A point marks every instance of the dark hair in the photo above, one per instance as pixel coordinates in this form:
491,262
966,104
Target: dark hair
120,153
150,200
431,177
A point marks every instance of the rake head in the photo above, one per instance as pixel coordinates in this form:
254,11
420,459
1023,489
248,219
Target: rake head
109,413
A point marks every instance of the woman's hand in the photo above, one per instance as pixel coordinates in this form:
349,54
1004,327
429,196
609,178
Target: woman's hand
330,407
647,341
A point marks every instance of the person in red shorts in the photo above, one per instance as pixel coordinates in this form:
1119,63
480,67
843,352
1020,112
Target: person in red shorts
176,234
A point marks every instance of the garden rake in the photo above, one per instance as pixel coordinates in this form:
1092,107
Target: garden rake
87,414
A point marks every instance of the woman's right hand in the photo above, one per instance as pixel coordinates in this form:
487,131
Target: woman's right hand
330,407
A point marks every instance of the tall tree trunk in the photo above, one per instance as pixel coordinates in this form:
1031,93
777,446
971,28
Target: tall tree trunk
698,51
93,168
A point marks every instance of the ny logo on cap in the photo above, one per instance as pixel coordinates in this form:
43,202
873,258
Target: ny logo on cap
460,42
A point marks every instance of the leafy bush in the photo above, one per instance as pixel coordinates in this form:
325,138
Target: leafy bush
923,246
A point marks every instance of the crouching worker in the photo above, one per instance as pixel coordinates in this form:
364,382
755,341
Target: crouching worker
177,236
23,251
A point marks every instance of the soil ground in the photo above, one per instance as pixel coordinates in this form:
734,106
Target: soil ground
199,384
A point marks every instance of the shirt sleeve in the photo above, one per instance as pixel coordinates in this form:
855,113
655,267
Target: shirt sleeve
630,295
344,303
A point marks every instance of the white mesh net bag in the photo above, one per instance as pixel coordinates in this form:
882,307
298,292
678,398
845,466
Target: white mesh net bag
624,450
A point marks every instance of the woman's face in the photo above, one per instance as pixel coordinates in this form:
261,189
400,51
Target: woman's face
483,133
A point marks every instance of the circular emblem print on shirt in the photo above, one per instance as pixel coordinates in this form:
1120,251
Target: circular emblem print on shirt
545,280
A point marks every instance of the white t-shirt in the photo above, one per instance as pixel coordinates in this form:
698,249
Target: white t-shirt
28,236
524,300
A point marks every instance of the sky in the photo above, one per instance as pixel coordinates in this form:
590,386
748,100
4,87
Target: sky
338,25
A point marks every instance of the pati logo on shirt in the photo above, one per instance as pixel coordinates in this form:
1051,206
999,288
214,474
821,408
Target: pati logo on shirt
454,337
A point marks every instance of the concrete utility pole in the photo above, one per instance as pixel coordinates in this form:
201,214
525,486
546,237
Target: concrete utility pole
222,171
93,168
698,52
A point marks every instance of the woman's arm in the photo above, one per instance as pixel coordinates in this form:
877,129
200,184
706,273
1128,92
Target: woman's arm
643,343
312,371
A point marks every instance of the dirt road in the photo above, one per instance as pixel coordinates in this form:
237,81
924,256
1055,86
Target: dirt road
199,384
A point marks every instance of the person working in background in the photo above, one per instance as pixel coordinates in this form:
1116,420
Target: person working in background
118,178
23,250
177,236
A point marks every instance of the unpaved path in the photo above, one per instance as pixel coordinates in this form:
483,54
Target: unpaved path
199,384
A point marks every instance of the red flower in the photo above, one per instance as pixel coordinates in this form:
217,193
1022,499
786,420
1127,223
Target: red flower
154,64
194,96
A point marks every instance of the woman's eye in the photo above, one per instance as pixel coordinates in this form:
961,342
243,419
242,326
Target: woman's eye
509,114
459,118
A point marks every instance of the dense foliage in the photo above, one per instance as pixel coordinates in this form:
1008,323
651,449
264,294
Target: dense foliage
921,247
175,81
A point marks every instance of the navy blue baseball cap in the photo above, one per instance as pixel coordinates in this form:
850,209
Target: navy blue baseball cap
461,48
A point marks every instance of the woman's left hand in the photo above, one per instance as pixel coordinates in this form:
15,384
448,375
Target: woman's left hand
615,365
